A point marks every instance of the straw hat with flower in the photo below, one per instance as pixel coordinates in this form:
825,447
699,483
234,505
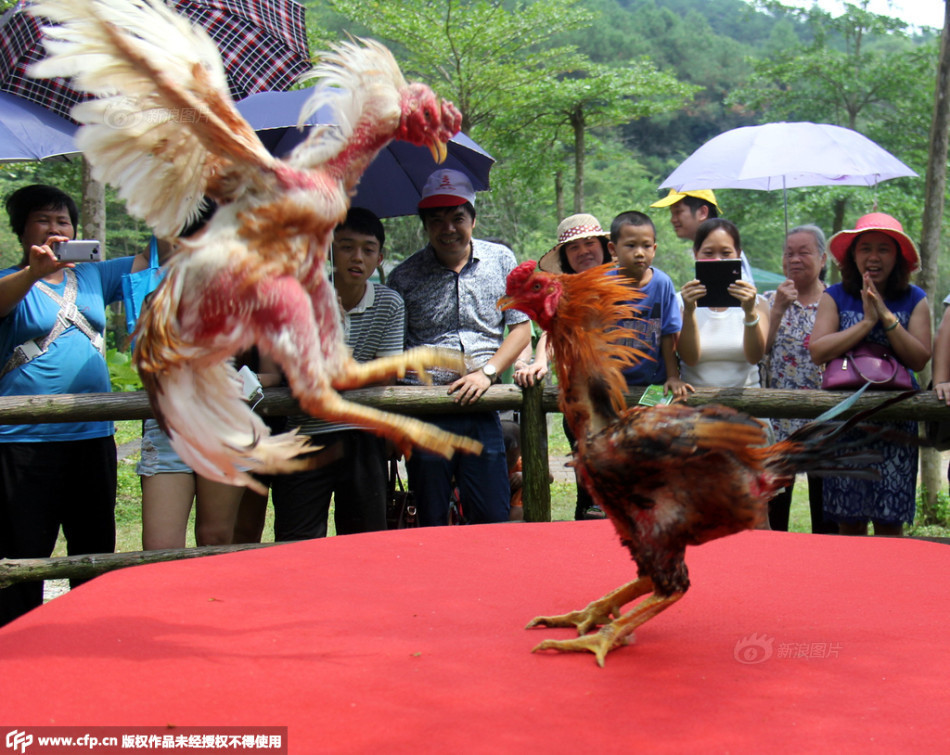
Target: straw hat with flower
570,229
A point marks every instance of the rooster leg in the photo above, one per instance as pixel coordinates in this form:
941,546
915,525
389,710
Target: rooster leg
614,634
405,432
310,351
379,370
600,611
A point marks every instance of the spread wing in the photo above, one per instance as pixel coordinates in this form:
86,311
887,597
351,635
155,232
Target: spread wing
361,83
162,125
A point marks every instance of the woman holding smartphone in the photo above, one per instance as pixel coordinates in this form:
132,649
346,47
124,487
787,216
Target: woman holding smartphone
52,327
720,347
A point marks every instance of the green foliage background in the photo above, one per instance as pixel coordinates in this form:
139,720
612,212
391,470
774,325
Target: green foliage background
650,81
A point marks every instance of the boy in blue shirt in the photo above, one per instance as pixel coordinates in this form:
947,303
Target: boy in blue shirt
633,244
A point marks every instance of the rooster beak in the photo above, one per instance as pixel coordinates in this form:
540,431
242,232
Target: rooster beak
439,151
505,302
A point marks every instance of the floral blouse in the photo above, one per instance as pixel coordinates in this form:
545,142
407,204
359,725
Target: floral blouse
788,365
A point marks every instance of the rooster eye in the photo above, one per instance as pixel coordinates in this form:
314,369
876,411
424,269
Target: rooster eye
536,287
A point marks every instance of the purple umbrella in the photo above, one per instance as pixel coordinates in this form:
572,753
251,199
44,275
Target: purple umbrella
392,184
263,44
31,132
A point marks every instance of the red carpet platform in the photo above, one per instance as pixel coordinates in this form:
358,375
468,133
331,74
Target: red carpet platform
412,641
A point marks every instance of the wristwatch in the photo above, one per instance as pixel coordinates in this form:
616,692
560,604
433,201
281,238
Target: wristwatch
491,371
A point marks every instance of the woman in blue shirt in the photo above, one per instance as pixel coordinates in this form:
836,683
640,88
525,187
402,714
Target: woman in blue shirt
52,327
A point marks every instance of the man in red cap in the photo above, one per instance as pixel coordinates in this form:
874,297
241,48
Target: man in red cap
451,288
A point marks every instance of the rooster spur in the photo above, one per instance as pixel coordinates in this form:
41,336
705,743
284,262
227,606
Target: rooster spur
163,130
667,476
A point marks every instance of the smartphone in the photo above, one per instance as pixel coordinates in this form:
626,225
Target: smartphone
77,251
716,276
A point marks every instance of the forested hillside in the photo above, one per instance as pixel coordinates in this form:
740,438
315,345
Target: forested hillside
733,63
592,103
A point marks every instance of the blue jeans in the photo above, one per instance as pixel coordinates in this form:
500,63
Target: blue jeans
482,480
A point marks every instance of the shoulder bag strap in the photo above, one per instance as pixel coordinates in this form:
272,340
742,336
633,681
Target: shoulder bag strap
68,315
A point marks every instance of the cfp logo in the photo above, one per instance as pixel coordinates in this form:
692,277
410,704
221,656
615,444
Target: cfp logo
753,649
18,740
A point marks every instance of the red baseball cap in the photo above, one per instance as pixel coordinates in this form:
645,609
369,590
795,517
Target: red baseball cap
447,188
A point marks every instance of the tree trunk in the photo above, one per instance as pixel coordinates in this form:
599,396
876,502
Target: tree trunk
93,208
935,189
837,223
577,123
559,195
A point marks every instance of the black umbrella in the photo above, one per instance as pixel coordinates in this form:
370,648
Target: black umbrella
263,44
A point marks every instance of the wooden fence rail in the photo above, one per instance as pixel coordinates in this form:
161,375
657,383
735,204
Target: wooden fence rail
534,405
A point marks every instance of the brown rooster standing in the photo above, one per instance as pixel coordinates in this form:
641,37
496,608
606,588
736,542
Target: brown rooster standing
165,132
667,476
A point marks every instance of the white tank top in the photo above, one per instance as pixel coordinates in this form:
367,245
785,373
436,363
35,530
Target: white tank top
722,362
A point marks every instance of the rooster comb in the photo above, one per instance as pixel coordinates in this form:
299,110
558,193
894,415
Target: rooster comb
518,276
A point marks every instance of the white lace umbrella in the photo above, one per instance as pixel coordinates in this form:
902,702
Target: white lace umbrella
784,156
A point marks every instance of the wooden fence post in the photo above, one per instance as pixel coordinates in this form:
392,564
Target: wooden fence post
534,456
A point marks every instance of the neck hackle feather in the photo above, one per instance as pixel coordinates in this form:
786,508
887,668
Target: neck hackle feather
584,314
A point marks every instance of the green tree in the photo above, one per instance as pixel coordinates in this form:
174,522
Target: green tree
524,90
481,53
860,70
600,97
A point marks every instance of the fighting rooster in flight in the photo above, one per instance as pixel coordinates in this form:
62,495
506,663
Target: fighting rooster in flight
667,476
256,276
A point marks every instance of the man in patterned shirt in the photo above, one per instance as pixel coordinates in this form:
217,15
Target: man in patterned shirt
451,289
353,462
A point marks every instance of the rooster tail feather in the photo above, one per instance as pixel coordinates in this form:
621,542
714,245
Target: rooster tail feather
817,447
215,431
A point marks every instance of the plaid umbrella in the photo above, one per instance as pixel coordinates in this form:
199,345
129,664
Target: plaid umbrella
263,44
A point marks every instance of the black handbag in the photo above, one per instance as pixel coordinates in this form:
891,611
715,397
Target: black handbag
401,509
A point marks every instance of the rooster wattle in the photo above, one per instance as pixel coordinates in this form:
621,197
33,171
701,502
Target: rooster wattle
164,131
667,476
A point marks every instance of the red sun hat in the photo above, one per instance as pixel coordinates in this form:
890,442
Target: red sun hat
876,221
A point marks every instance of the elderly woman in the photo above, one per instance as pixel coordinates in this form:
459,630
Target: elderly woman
787,362
52,322
581,244
875,302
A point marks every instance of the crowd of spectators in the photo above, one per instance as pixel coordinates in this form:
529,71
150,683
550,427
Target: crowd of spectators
52,325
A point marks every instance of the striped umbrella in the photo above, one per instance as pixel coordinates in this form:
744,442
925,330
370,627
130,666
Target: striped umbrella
263,44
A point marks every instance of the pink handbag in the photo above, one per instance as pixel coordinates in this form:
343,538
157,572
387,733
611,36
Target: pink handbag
866,363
